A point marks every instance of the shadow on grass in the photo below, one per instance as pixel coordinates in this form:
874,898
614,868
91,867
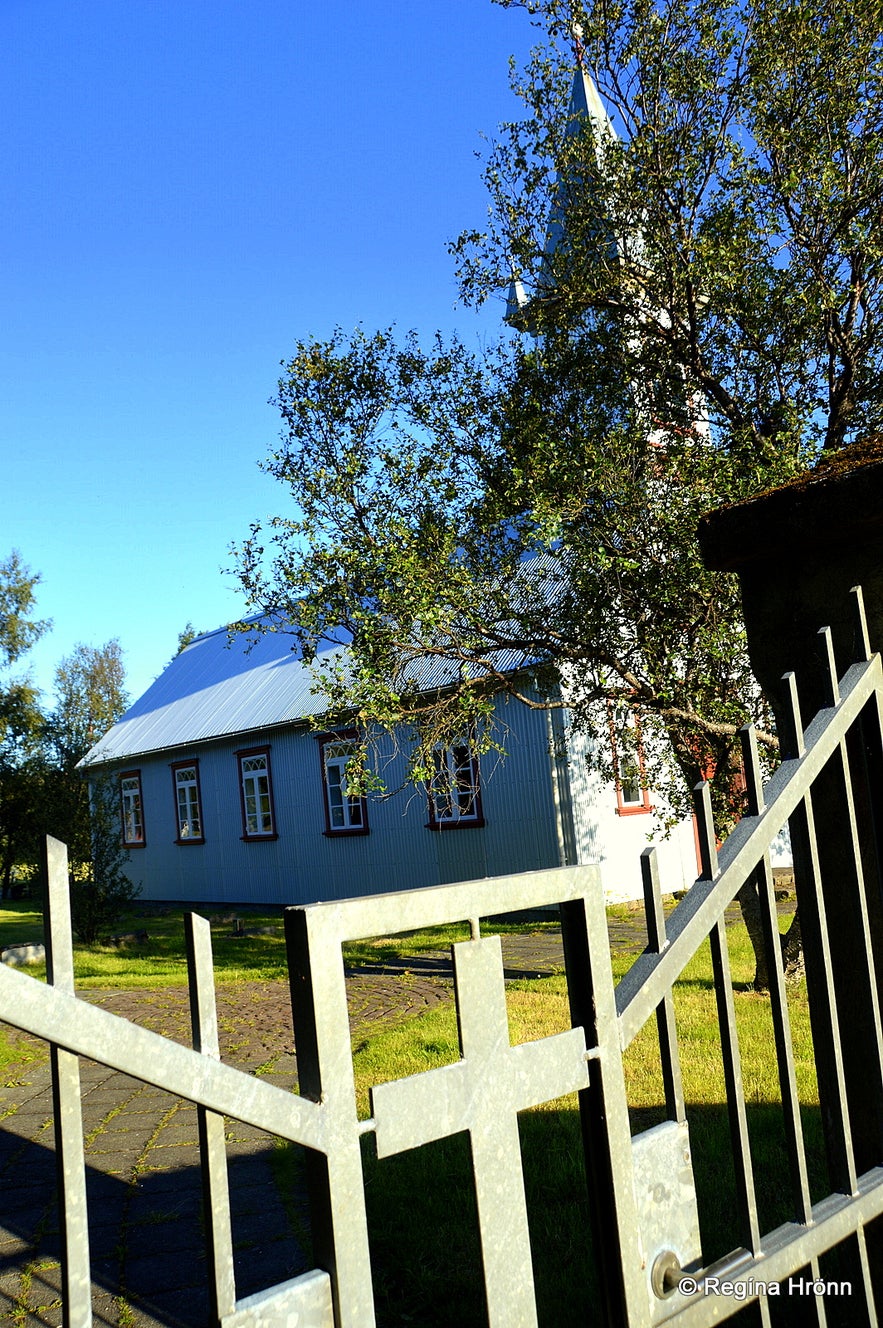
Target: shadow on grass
424,1231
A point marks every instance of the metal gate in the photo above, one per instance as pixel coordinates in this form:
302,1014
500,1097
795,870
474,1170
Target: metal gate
642,1192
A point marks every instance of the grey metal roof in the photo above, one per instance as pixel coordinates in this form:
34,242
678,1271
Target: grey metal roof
217,686
227,683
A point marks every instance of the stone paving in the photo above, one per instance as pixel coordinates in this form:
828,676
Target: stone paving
142,1157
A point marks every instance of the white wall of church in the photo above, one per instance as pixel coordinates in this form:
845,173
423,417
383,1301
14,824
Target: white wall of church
615,841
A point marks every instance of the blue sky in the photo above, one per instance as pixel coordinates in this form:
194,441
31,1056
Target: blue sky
189,187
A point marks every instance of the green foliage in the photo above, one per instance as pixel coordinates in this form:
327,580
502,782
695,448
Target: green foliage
91,696
23,766
90,685
18,629
522,520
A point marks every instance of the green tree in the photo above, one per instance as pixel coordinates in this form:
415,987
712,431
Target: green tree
22,753
90,688
103,890
704,322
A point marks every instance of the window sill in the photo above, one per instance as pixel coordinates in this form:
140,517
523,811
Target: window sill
192,839
353,832
444,826
134,843
257,839
643,810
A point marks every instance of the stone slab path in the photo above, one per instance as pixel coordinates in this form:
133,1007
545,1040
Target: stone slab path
142,1156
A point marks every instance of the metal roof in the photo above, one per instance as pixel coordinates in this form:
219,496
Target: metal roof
221,684
227,682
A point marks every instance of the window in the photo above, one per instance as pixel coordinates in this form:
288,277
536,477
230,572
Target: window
632,795
256,792
454,796
188,804
344,814
131,808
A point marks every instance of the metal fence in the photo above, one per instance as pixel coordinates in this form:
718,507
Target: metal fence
646,1230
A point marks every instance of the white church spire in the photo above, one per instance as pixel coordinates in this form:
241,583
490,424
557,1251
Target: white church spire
585,106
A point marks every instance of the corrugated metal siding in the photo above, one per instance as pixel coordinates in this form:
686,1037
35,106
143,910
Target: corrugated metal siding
223,684
304,864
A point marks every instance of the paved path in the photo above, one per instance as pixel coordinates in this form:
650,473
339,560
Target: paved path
142,1159
143,1177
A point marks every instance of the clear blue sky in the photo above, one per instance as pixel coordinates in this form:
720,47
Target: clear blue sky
189,186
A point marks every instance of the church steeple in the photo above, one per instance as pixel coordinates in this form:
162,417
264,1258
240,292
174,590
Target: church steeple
585,106
516,300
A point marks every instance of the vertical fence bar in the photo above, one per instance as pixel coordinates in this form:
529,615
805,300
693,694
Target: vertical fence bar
325,1073
820,986
794,1140
778,997
726,1013
607,1140
665,1012
76,1280
212,1148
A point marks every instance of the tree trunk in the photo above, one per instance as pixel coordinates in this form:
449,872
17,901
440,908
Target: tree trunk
7,877
793,959
749,903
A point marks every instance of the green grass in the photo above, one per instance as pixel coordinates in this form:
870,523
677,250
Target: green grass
421,1204
384,949
161,961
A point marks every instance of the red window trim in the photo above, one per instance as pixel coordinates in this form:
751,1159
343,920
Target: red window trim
174,767
331,831
629,808
132,843
240,757
475,822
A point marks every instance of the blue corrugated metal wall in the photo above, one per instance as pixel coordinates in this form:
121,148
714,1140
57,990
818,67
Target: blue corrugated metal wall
304,864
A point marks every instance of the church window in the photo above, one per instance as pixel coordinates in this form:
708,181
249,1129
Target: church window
454,793
188,804
256,794
345,813
131,807
632,794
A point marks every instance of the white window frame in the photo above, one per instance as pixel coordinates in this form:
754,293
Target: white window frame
132,809
454,792
345,814
188,809
632,794
256,794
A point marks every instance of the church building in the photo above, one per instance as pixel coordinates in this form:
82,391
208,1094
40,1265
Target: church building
228,792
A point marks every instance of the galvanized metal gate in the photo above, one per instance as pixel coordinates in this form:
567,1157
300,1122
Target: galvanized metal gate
646,1230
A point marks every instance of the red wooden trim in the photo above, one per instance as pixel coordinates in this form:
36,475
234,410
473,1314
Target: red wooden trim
132,843
331,831
240,757
174,767
442,827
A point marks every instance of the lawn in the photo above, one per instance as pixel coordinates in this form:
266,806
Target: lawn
422,1206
